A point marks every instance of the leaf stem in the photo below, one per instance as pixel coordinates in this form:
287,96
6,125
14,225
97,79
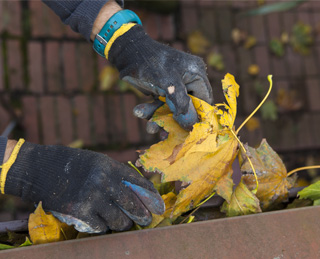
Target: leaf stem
198,207
132,165
258,107
303,168
254,171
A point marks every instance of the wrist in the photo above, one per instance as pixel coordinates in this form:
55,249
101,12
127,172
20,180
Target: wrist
10,146
106,12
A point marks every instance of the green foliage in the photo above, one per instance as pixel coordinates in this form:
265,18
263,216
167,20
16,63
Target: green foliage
311,192
269,111
301,39
276,47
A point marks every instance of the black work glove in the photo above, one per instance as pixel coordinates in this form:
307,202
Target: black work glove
83,188
159,70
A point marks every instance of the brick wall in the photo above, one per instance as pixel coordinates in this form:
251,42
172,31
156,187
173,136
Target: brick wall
49,75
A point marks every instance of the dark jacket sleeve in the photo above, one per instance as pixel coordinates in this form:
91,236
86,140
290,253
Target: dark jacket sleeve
78,14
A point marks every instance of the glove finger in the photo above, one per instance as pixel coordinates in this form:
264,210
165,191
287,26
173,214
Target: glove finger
83,223
152,127
144,87
151,200
115,218
146,110
181,105
199,87
132,206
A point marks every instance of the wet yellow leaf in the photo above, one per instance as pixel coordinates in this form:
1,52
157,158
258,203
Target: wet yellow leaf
271,172
200,159
243,202
231,92
169,201
45,228
108,77
198,43
253,70
250,42
253,124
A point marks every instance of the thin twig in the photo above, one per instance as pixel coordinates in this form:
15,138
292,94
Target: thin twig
303,168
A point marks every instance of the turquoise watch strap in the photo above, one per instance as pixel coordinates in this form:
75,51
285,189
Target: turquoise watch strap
113,24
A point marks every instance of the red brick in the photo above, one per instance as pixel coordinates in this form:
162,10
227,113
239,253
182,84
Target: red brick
48,120
208,24
35,67
258,31
304,137
132,126
124,155
115,119
152,25
1,66
278,66
315,20
5,119
311,61
294,62
313,90
86,65
167,27
15,65
245,60
229,59
11,17
262,60
70,66
225,25
273,23
64,120
315,128
82,118
30,119
56,27
100,120
53,66
1,15
37,19
189,19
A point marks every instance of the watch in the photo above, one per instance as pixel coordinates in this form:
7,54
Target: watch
113,24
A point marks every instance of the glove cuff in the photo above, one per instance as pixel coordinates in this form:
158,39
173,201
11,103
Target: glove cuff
122,30
6,166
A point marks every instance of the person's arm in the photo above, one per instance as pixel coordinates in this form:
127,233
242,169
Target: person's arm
81,15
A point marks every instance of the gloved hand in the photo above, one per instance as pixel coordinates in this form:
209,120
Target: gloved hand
81,187
159,70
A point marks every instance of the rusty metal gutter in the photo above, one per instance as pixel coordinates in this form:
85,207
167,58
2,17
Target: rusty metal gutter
280,234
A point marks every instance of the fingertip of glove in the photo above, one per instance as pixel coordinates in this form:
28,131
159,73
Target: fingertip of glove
187,120
151,200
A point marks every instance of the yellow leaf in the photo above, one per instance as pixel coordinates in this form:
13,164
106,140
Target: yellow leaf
45,228
250,42
108,77
253,124
253,70
271,173
197,43
231,92
169,201
201,159
242,202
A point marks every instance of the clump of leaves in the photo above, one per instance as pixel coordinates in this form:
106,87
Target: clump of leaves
202,160
301,38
